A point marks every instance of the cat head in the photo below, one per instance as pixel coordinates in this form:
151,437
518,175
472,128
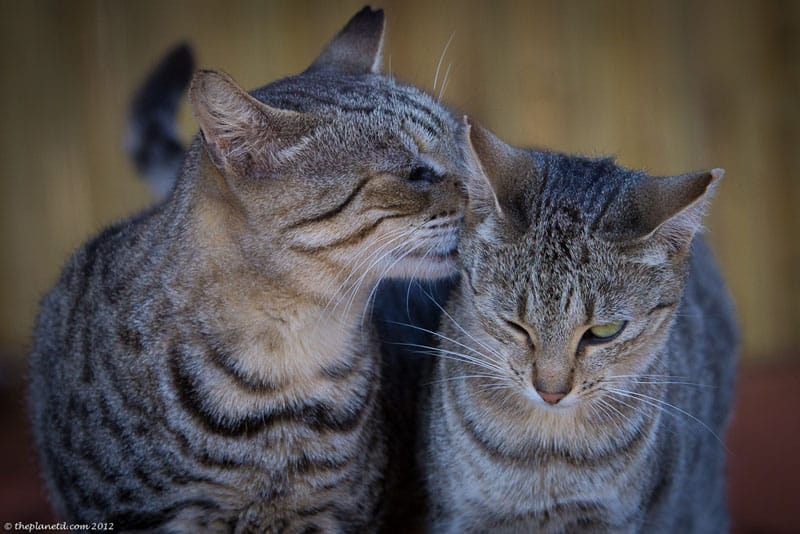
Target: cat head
339,168
573,268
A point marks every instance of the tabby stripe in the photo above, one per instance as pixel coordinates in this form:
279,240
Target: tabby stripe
428,127
118,385
661,306
540,198
299,97
339,372
318,415
334,211
434,119
350,239
306,464
568,299
225,363
108,421
207,459
130,338
315,510
146,478
605,208
90,461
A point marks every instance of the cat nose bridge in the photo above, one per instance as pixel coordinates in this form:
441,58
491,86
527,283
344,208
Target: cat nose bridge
552,376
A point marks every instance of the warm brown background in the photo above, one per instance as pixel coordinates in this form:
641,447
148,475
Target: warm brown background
666,85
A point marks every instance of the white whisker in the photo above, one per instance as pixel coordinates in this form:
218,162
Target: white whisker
464,377
497,360
444,83
350,294
457,356
482,345
372,293
441,59
662,405
655,382
362,257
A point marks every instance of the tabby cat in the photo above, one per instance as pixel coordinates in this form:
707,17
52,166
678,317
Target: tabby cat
586,357
204,366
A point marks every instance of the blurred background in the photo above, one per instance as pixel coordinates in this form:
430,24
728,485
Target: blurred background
669,86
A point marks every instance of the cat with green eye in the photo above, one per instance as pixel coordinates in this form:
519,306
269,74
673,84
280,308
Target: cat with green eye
586,358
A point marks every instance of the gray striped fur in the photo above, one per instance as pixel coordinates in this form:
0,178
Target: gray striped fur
553,244
205,366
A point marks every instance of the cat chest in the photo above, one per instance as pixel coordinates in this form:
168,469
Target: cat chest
552,495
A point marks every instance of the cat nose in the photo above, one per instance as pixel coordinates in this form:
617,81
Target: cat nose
551,398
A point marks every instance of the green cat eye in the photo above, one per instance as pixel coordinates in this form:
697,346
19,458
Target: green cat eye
606,331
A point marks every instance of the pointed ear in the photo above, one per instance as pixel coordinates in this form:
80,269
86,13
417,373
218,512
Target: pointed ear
357,48
671,209
241,134
497,167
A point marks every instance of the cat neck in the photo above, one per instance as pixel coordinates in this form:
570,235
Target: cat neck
280,320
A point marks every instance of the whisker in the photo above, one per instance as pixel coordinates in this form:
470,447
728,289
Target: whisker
496,387
373,291
482,345
609,407
352,291
665,406
459,356
498,361
389,238
444,82
363,278
599,410
464,377
441,58
649,376
657,382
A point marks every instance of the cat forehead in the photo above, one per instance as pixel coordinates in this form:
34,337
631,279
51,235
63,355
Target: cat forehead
545,281
371,95
566,195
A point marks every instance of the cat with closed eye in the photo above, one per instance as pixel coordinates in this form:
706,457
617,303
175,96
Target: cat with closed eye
205,366
585,359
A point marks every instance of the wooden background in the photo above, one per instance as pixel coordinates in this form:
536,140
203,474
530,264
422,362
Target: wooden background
669,85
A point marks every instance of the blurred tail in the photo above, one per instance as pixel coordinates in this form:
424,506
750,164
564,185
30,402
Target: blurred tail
153,142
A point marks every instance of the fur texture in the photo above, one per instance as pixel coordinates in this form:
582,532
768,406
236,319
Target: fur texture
587,355
205,366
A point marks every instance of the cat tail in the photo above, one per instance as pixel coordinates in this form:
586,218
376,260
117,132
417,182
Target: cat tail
153,141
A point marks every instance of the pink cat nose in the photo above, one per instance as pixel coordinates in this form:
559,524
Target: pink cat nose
551,398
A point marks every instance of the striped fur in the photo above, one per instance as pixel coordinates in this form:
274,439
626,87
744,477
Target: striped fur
206,365
553,244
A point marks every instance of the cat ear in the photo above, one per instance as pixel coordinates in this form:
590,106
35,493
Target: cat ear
242,134
495,168
357,48
671,209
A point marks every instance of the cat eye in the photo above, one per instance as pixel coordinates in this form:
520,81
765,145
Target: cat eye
601,333
423,174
